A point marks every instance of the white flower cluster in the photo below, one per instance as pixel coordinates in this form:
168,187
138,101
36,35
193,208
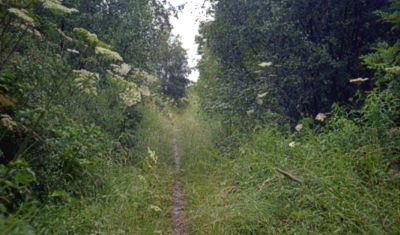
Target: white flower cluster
394,70
321,117
130,93
265,64
87,81
145,91
56,7
122,69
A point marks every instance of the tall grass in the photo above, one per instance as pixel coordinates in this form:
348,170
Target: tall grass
135,198
347,183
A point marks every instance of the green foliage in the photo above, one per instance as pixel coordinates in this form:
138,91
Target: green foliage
174,70
132,199
90,38
301,54
343,165
316,179
62,120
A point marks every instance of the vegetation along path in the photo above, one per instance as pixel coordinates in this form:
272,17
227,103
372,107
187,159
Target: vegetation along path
293,126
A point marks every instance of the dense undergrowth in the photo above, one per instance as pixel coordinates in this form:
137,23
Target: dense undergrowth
291,158
343,178
77,115
133,198
293,127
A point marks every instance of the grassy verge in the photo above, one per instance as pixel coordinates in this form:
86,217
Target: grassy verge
347,186
135,199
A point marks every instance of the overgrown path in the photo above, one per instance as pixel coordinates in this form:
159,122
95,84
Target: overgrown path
178,215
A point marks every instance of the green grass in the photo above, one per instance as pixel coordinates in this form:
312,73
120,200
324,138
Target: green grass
135,198
348,186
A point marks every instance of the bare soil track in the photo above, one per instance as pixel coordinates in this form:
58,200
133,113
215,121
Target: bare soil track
178,212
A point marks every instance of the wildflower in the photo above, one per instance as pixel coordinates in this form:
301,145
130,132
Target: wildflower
394,70
321,117
265,64
299,127
21,14
87,81
292,144
359,81
130,96
122,69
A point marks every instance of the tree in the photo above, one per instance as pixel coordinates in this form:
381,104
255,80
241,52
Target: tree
290,58
174,70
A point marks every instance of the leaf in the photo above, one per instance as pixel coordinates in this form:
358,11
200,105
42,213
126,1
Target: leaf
25,176
59,193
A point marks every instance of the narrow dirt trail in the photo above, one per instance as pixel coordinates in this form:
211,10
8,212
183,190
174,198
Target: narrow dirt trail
178,212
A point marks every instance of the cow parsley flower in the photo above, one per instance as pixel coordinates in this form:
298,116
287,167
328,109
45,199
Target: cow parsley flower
265,64
321,117
87,81
299,127
122,69
292,144
394,70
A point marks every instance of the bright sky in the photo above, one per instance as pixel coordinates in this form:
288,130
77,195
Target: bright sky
187,26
